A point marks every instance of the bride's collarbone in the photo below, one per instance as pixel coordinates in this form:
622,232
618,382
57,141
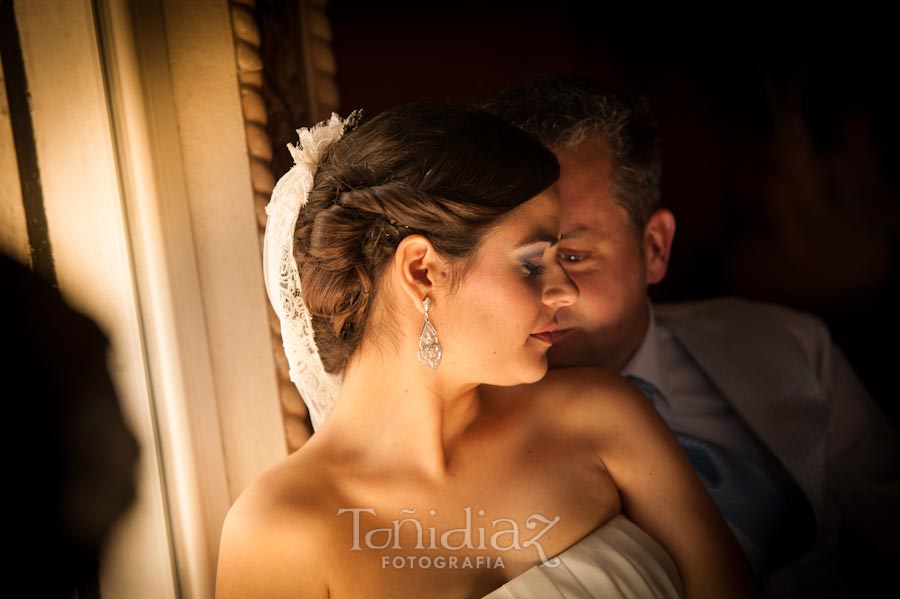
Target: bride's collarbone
481,488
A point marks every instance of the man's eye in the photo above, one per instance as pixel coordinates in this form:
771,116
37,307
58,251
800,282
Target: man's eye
564,257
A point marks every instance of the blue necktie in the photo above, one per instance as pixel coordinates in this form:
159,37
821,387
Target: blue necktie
752,503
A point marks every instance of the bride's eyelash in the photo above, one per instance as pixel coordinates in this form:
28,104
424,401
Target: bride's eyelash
533,270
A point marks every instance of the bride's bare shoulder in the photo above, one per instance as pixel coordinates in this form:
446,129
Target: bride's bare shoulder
589,398
585,388
583,379
273,542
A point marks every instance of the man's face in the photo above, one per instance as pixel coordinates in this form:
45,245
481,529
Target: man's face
602,254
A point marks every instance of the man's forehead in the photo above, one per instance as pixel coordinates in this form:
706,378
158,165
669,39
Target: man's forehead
580,232
584,177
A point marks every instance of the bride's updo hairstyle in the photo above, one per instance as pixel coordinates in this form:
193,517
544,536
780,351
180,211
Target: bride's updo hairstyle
447,173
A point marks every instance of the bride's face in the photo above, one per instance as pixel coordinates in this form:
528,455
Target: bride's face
499,322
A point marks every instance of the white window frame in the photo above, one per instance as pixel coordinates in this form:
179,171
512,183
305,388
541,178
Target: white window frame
146,178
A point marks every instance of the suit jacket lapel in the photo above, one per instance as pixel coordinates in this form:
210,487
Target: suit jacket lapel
761,370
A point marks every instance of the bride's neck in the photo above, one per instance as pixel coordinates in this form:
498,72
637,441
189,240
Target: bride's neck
402,414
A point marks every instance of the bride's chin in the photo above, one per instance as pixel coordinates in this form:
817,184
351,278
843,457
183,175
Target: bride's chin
527,374
537,372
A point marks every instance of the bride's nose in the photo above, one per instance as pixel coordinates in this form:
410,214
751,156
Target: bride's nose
559,290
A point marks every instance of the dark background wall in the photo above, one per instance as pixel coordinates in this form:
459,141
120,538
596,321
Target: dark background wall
779,135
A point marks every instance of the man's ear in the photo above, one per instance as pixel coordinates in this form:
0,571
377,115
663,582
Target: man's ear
419,269
658,236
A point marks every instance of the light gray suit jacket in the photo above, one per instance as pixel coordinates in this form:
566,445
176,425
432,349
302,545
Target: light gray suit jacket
795,390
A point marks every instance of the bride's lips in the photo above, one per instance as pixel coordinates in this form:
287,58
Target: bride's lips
546,334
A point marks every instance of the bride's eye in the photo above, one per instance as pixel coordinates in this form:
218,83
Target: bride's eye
533,257
533,270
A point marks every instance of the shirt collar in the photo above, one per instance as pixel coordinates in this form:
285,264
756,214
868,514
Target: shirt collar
646,363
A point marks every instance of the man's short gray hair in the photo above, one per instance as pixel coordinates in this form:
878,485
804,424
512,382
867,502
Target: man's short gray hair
563,112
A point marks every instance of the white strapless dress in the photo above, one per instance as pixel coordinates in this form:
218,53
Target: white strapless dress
616,561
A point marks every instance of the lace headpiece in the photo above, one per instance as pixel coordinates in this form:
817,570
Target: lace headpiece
318,388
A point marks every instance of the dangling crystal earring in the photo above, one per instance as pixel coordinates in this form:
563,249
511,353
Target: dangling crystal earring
429,346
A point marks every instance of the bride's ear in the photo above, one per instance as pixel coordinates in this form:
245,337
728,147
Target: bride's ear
419,269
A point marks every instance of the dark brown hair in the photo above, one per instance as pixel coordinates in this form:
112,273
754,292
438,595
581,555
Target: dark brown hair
564,111
446,173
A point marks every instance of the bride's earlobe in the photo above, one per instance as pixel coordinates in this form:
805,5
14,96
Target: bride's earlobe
418,267
420,270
